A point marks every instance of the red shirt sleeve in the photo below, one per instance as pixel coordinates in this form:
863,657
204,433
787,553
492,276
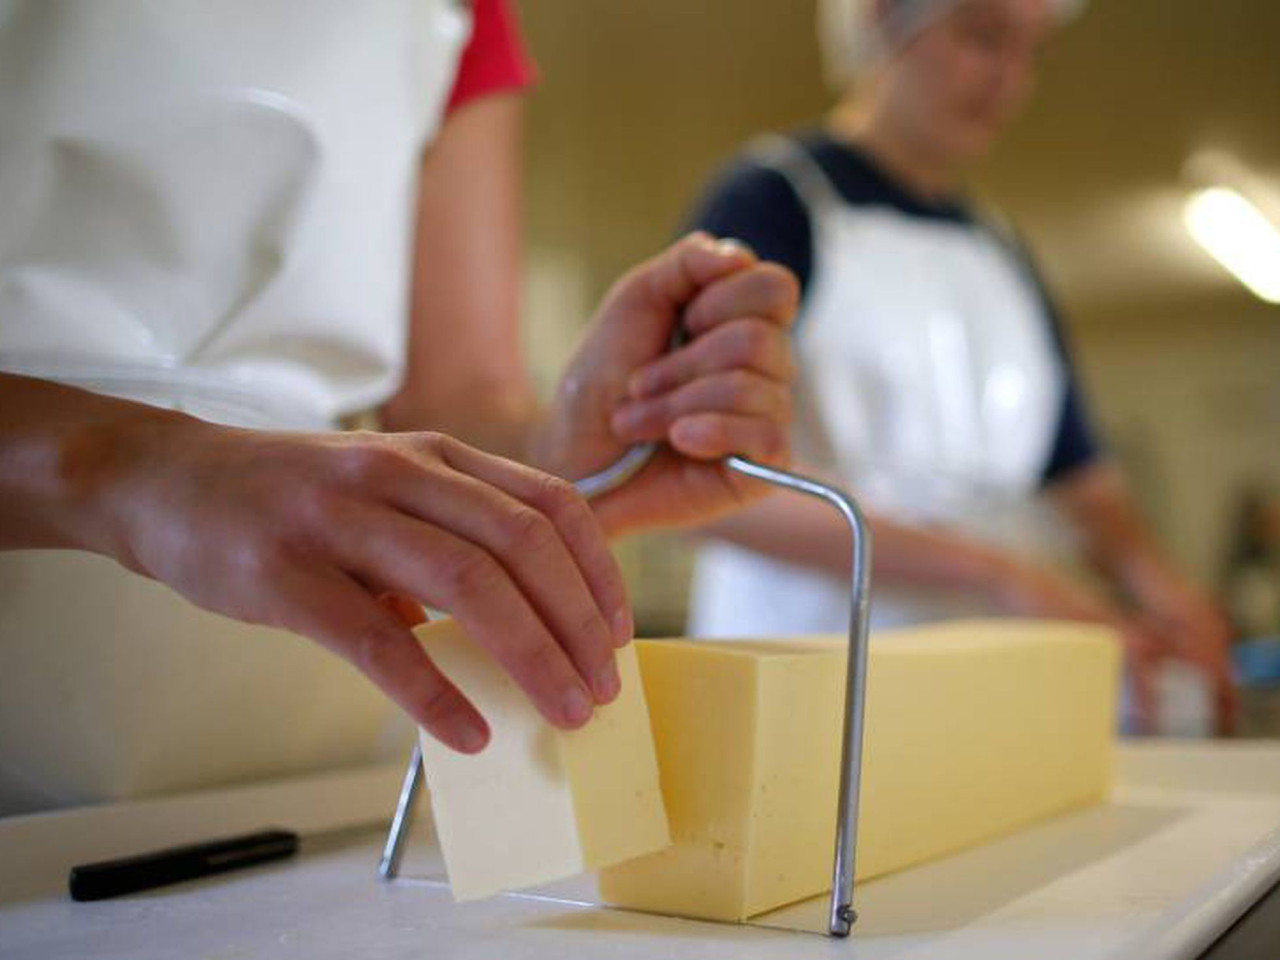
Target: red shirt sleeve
495,59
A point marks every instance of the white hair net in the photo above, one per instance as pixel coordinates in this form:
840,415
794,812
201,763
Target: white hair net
854,33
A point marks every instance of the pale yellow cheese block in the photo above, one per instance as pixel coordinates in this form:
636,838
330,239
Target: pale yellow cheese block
973,730
538,804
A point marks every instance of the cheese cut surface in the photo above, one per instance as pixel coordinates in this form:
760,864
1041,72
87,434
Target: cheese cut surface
538,804
973,730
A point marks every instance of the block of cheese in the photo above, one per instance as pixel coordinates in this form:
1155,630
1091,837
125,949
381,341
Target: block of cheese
538,804
973,730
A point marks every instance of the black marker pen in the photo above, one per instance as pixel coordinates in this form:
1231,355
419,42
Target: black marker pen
114,878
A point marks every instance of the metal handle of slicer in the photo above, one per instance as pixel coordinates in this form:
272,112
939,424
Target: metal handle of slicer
841,915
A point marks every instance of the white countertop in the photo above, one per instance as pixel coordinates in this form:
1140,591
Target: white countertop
1189,841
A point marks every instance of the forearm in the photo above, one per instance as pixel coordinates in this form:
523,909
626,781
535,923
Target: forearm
1116,538
808,533
62,451
465,371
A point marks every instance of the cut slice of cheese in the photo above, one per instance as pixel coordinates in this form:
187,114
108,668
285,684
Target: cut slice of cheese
538,804
972,730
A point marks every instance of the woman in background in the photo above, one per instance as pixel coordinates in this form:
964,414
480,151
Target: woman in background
934,379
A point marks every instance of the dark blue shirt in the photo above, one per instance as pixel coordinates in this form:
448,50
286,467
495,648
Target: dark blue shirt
756,204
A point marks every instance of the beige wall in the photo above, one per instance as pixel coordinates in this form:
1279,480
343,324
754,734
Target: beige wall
640,100
1191,404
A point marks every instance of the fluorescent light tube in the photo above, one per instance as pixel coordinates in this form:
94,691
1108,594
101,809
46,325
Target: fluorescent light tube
1239,236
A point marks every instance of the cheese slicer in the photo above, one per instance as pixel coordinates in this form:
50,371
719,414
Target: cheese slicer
839,916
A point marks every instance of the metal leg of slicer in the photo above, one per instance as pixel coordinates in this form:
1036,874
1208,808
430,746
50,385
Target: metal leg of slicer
842,915
393,851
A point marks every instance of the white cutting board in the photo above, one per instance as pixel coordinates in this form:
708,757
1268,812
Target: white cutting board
1191,839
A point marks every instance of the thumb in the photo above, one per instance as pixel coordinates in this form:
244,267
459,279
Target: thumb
409,611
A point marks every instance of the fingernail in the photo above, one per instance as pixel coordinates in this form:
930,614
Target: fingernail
623,627
577,706
692,432
729,247
470,737
606,683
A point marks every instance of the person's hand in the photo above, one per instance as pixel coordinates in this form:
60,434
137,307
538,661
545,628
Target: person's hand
1149,639
1176,618
726,391
326,534
1193,628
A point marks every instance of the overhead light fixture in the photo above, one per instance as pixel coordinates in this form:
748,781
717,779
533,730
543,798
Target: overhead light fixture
1239,236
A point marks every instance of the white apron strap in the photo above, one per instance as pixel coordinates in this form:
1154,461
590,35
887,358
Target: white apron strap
810,183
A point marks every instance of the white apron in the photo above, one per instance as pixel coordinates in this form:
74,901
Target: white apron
929,386
208,206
